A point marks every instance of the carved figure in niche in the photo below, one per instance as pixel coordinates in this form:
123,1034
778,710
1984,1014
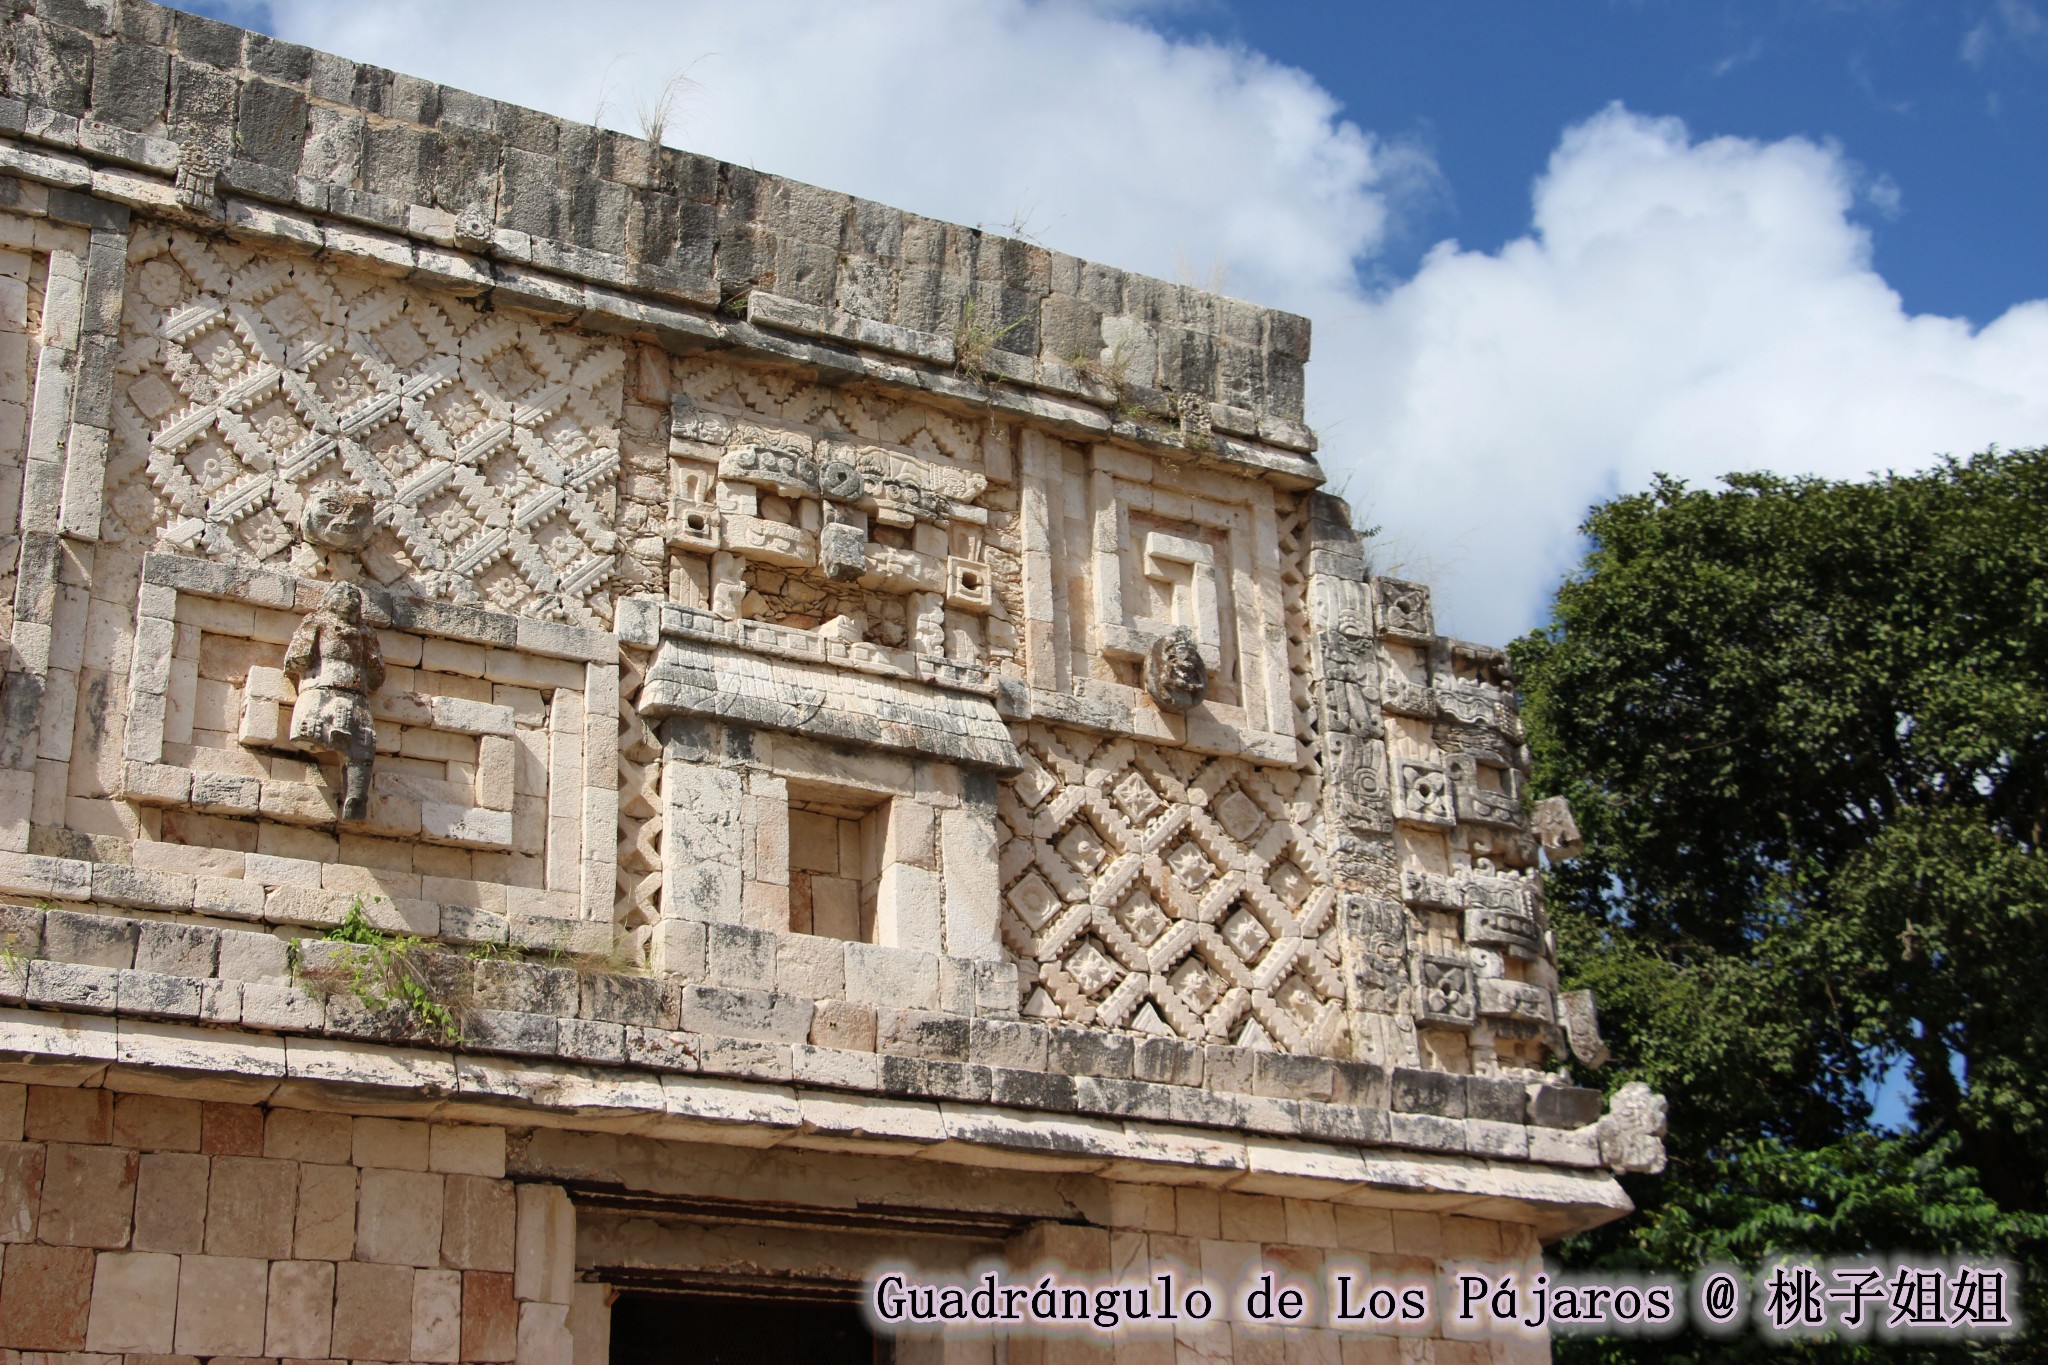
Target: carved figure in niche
337,518
1174,672
336,662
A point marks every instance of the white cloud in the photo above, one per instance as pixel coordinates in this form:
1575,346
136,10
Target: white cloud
1691,307
1686,307
2011,24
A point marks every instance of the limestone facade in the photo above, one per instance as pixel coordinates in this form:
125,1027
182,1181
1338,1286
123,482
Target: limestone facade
874,717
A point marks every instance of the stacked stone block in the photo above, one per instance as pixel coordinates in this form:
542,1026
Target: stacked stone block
150,1225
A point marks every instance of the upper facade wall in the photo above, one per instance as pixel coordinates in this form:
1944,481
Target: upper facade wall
290,126
893,708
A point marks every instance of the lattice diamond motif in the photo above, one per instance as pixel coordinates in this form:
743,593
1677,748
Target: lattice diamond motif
1032,785
1142,918
1118,847
211,464
1092,968
289,315
1083,847
450,519
1035,901
503,588
559,542
275,424
219,351
1196,984
1288,883
1239,815
340,382
152,397
1190,865
488,444
1135,798
264,533
1245,935
458,410
1299,999
402,344
396,453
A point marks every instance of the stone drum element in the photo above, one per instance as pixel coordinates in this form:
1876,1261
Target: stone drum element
1175,676
337,663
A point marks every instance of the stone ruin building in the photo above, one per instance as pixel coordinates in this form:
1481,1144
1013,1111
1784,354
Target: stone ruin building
595,743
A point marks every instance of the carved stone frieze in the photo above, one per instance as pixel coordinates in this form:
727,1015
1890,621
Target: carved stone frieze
1166,892
1444,992
248,388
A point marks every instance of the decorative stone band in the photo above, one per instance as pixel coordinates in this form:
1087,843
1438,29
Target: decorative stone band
692,1104
229,1004
614,215
692,676
646,622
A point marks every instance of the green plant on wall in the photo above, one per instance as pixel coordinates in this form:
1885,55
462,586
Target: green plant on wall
975,338
384,971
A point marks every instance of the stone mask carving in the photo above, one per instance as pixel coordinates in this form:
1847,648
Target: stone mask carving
336,661
337,519
1174,672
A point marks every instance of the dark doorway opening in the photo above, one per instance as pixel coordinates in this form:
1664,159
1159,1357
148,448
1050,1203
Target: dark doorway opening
730,1329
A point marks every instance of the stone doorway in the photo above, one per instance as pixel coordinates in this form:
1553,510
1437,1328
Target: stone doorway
668,1328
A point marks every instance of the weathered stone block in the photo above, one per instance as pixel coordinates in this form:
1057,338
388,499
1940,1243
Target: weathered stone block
643,1000
222,1305
546,1245
300,1135
300,1318
1564,1106
134,1303
90,940
490,1317
88,1196
1089,1052
45,1297
325,1227
373,1310
153,1123
398,1218
734,1013
527,987
881,975
1496,1101
921,1033
21,1189
250,1207
170,1202
177,949
54,1114
478,1222
1414,1091
400,1144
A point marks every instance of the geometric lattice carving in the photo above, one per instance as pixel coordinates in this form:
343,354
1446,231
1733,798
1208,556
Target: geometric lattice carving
1163,891
638,902
489,443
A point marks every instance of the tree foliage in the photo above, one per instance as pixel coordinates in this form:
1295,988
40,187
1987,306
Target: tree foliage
1804,727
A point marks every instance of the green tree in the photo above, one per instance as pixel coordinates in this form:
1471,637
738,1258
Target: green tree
1804,727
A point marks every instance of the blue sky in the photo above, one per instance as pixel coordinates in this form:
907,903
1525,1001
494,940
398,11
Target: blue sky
1549,249
1943,105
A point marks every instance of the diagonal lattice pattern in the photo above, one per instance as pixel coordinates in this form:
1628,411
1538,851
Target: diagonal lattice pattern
489,442
1169,892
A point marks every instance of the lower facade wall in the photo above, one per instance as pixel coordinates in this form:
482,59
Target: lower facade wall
158,1229
148,1225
